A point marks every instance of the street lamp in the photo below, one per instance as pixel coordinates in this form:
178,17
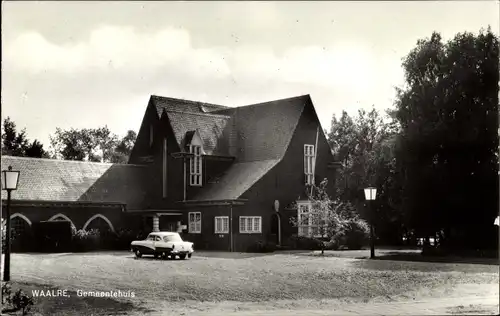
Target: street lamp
10,180
370,195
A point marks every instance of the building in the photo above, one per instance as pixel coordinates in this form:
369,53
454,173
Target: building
225,177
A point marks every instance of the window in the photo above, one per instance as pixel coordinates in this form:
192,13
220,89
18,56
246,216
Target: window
221,224
195,165
250,224
309,161
194,222
151,136
165,167
308,222
173,238
151,237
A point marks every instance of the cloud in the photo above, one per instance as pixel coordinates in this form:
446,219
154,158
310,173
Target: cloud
114,48
341,65
111,48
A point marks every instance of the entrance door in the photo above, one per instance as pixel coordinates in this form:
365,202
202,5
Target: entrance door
275,228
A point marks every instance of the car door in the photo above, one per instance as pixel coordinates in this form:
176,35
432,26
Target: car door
150,244
156,242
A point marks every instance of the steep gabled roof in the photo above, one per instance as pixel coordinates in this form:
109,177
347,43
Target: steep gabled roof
264,130
171,104
213,130
77,181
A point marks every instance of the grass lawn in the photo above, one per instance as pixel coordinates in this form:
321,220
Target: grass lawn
205,281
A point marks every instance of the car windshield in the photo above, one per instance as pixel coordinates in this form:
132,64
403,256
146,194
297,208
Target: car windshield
169,238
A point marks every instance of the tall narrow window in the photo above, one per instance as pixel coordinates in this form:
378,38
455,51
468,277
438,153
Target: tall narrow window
195,166
194,222
221,224
151,136
309,160
165,167
310,223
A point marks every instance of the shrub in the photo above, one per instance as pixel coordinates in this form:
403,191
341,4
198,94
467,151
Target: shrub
124,238
331,245
86,240
353,234
305,243
20,301
262,247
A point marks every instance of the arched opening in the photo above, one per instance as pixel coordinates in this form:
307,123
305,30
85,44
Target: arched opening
62,217
276,228
105,228
99,222
21,233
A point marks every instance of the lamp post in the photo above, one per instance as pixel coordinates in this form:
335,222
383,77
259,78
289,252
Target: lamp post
370,195
10,180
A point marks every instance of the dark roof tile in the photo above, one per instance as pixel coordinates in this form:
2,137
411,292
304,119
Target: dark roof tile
171,104
72,181
236,181
213,130
265,130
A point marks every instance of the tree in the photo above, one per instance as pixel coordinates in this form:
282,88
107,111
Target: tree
68,145
97,144
13,143
35,150
16,143
124,148
365,145
330,219
447,148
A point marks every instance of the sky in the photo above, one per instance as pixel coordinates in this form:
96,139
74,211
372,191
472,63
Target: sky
90,64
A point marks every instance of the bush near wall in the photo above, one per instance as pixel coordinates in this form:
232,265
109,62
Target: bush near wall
85,240
124,238
304,243
91,240
353,236
262,247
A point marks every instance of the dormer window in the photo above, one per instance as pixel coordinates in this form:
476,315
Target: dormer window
195,166
309,161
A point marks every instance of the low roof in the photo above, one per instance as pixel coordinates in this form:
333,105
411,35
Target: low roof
236,181
77,181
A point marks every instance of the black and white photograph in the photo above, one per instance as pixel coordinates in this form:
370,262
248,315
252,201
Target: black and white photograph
250,158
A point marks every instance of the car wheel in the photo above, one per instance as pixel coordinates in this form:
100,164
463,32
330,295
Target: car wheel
189,255
138,253
156,256
183,256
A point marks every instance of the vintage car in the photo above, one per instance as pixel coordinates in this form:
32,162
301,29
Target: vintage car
165,245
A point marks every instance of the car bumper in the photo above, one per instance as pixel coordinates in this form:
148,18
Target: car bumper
180,252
